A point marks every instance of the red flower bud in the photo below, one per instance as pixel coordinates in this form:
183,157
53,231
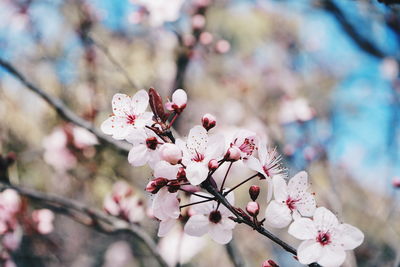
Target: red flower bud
208,121
155,185
213,164
253,208
269,263
233,154
254,191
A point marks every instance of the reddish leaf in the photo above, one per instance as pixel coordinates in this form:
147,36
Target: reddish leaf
156,105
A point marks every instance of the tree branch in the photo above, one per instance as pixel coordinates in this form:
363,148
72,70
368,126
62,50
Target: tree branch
63,110
93,218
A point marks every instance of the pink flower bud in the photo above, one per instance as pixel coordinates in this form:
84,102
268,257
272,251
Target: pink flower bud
44,220
213,164
254,191
233,154
155,185
179,100
269,263
208,121
198,21
252,208
170,153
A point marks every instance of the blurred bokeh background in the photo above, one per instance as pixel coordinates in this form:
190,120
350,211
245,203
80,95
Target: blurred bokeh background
318,78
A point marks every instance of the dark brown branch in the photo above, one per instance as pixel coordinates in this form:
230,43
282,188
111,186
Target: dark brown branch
63,110
91,217
362,42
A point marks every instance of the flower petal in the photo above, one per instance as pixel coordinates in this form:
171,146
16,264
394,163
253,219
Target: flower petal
197,140
254,164
309,251
215,147
197,225
201,208
298,184
324,219
116,126
219,234
121,105
137,136
165,226
138,155
351,237
306,205
139,102
165,170
165,205
280,188
196,172
303,229
278,215
331,257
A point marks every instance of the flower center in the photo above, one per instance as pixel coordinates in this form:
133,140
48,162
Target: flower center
291,203
323,238
130,119
215,216
248,146
152,143
198,157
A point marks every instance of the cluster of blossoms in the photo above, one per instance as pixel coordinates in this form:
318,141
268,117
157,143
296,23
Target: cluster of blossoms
13,221
188,166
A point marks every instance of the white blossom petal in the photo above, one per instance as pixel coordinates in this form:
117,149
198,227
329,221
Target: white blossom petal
116,126
219,234
165,170
309,251
298,184
324,219
197,225
331,257
138,155
306,205
196,172
165,205
140,102
350,236
121,105
303,229
277,214
197,140
280,189
165,226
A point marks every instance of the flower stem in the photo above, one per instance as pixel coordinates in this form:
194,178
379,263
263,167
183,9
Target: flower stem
194,203
241,183
193,193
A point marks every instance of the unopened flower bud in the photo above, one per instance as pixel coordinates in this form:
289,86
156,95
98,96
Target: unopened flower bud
252,208
233,154
213,164
269,263
208,121
155,185
179,100
173,186
254,191
170,153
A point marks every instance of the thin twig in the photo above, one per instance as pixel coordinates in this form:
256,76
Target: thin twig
63,110
95,218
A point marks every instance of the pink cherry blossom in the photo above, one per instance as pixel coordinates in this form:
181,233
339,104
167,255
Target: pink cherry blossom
44,220
165,206
56,152
245,141
170,153
179,100
144,150
291,201
211,219
199,150
129,113
83,138
325,239
122,202
10,204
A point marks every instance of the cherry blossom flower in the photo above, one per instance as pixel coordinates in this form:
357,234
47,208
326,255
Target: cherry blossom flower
245,141
10,204
170,153
44,220
199,150
56,152
291,201
179,100
325,239
83,138
211,218
178,247
129,113
165,206
161,11
144,150
122,202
